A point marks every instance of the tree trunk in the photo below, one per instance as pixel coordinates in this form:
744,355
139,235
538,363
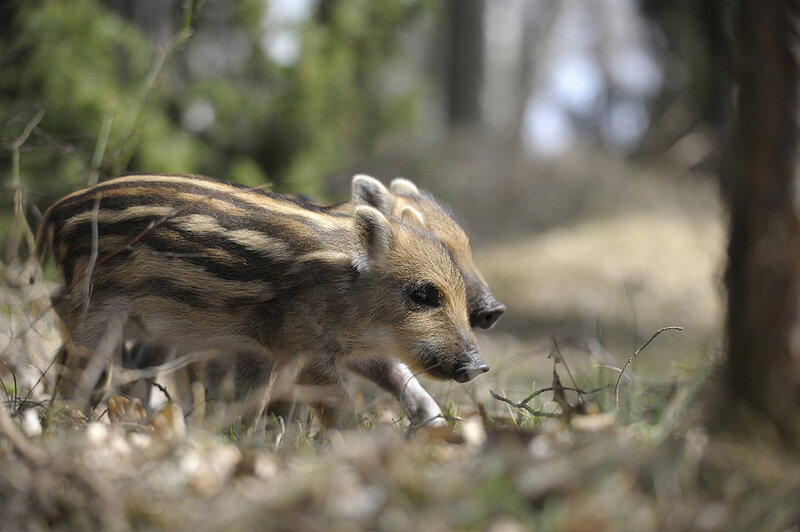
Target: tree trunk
763,276
160,19
464,62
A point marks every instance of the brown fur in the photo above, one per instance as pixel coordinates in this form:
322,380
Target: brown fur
253,272
405,201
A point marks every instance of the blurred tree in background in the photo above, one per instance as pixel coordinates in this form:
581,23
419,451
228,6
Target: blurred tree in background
763,275
288,93
696,57
123,89
465,61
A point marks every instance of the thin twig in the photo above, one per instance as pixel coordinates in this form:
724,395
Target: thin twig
522,406
635,354
75,154
560,397
16,181
128,375
161,65
566,366
42,375
17,438
3,385
524,403
163,390
87,289
100,147
567,388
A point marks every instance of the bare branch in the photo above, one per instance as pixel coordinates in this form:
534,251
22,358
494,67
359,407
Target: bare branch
16,181
567,388
100,147
569,372
127,375
161,65
163,390
522,406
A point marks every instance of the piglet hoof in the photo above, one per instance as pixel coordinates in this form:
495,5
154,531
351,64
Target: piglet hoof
435,431
427,425
435,422
429,416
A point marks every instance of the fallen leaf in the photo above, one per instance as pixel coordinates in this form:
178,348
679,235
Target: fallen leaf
169,422
125,410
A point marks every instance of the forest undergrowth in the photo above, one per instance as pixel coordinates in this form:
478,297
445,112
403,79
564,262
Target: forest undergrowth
620,455
545,441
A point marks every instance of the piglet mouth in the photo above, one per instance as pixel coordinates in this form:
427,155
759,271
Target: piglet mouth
469,371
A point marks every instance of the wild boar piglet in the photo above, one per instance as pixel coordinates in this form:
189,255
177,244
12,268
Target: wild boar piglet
189,261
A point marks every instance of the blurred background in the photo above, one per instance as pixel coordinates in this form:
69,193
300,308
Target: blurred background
577,140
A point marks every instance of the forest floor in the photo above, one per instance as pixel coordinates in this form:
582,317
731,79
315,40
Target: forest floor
585,288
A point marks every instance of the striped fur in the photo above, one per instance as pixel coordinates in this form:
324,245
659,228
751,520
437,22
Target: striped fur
404,200
189,261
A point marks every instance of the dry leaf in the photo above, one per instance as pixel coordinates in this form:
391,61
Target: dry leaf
124,410
169,422
593,423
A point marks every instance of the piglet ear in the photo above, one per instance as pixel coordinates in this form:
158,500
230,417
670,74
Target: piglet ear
367,190
412,216
403,187
373,237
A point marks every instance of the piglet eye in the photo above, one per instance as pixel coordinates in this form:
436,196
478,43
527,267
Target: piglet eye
426,295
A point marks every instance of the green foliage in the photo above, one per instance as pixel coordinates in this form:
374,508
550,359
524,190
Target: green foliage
115,101
82,63
337,90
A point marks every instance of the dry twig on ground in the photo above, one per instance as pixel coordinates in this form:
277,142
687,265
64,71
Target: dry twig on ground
557,389
635,354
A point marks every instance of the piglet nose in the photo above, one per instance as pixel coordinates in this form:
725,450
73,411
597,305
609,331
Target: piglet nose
477,366
480,369
486,318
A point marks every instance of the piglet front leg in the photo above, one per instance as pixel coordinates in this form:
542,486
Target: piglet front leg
397,378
